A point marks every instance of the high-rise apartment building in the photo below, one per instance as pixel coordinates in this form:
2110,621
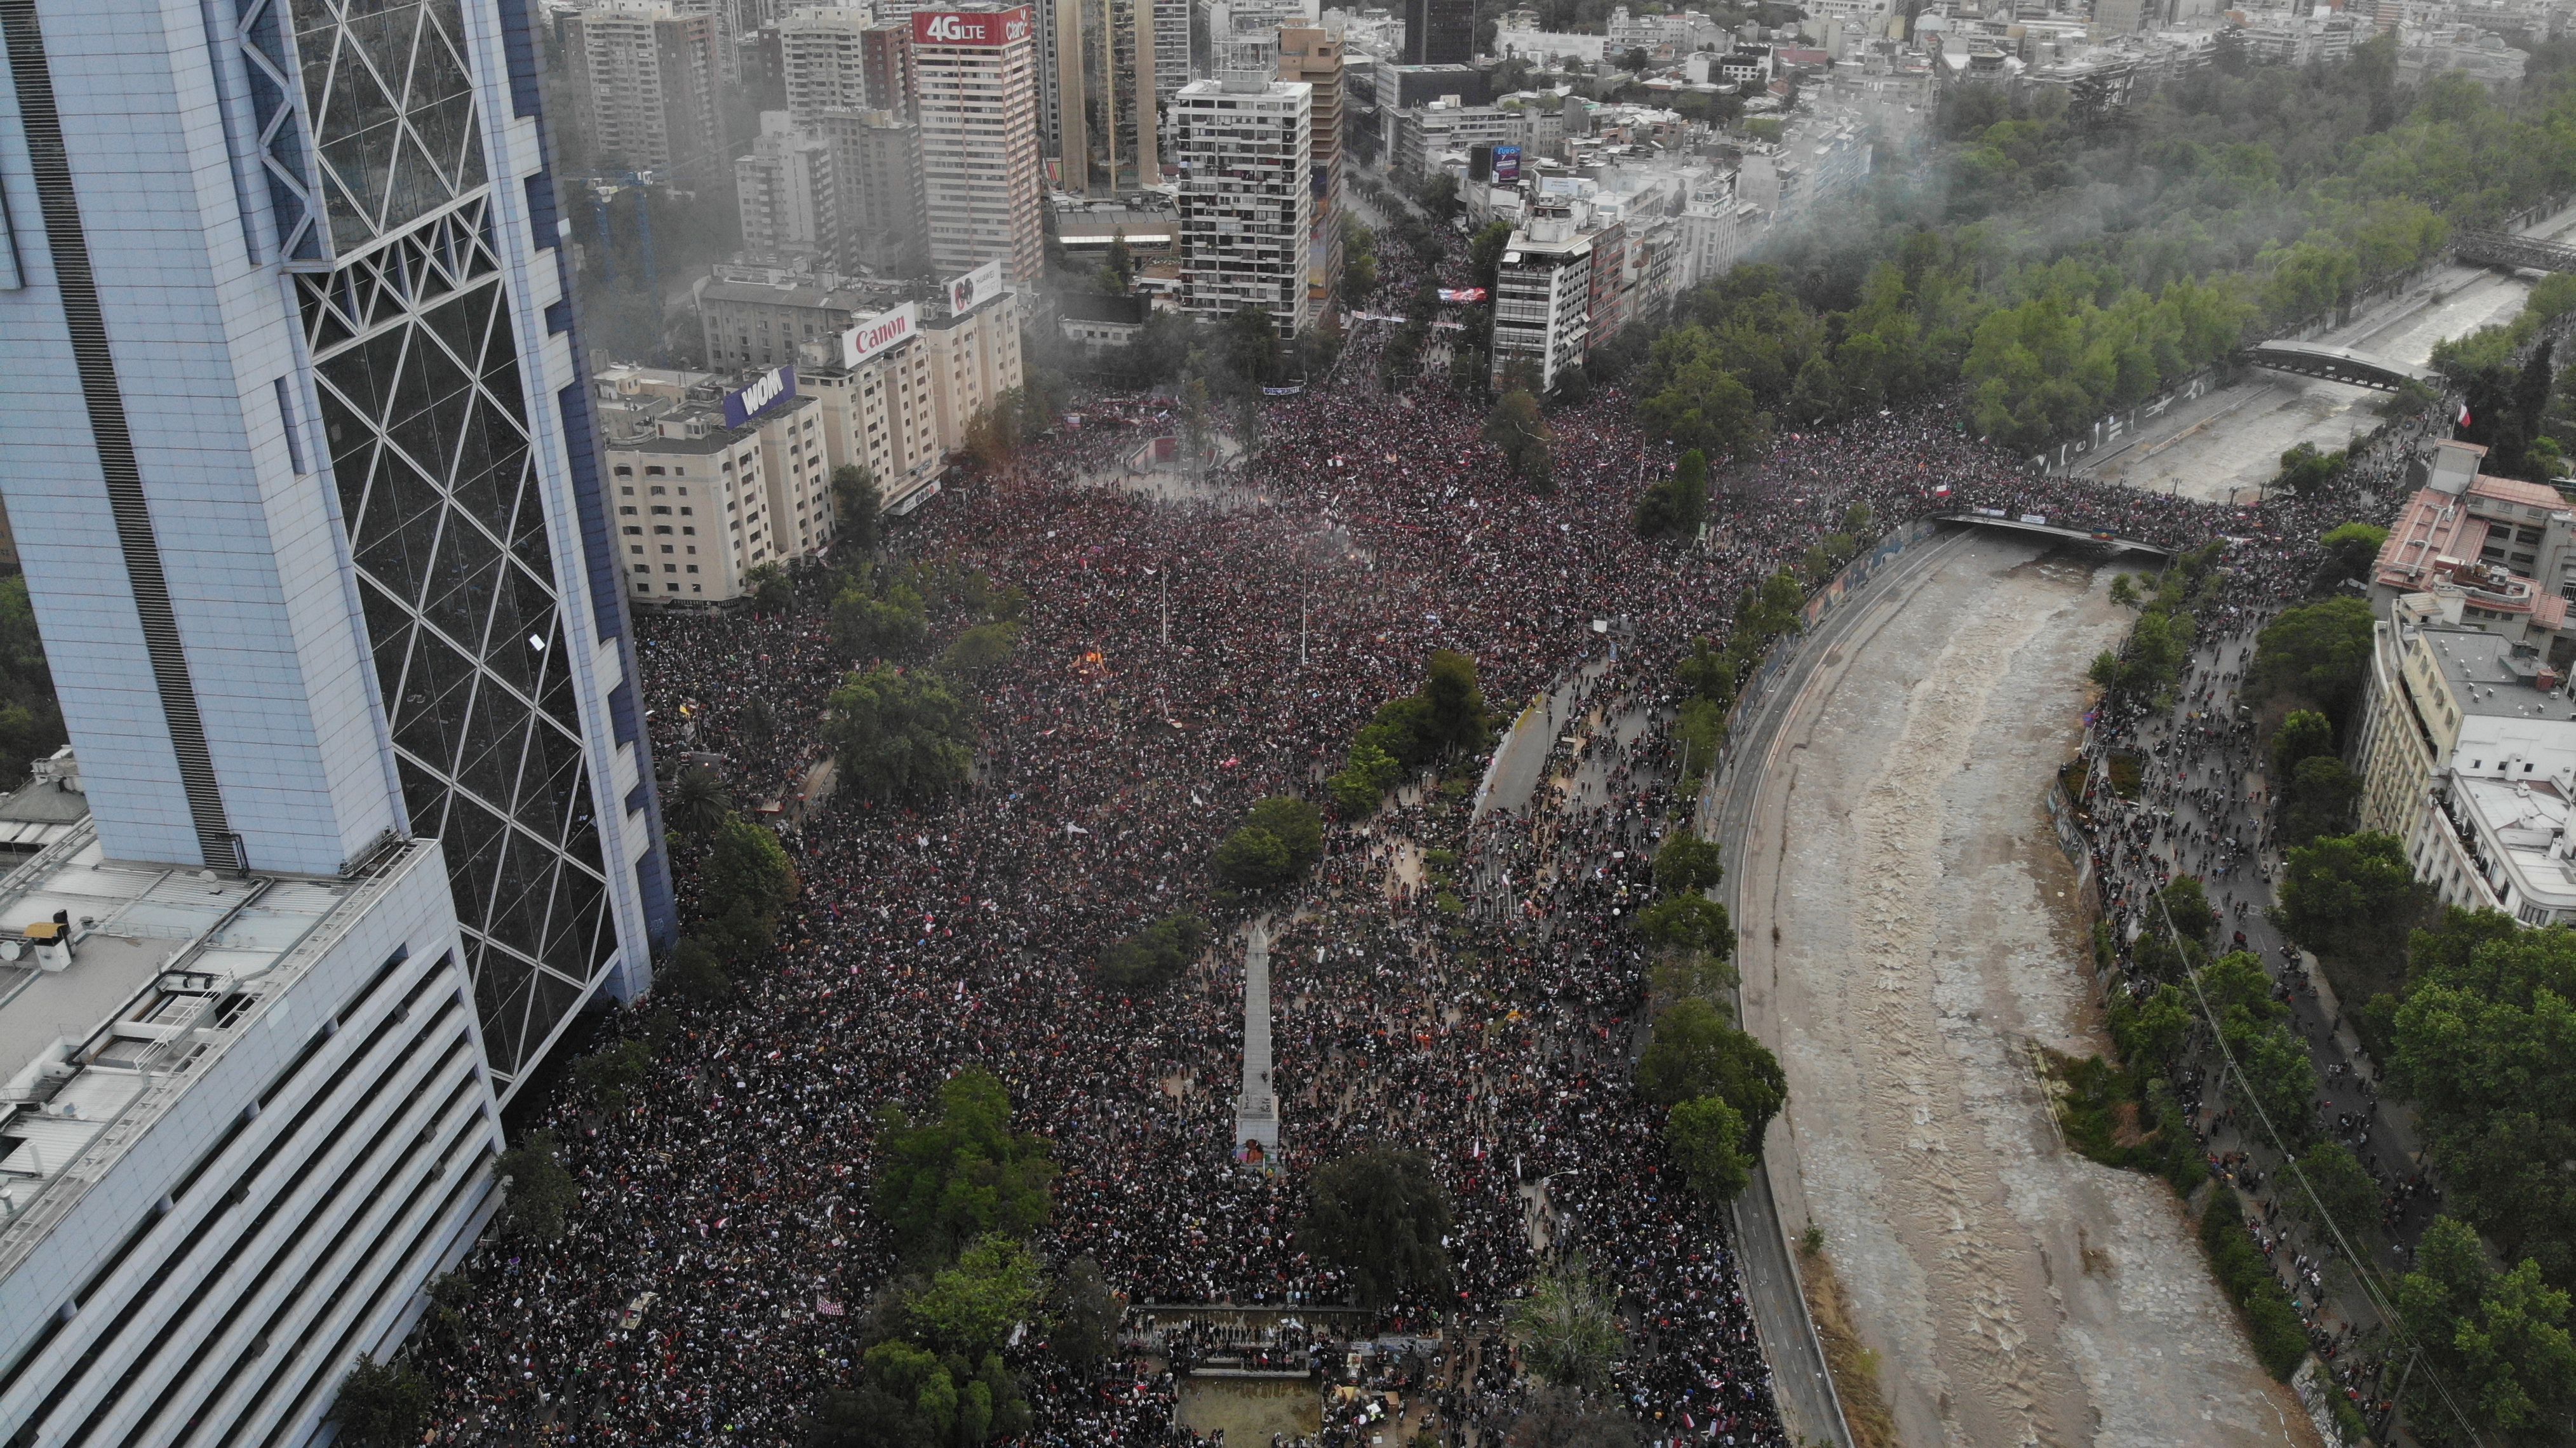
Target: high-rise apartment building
1171,52
786,192
975,99
647,78
840,58
1314,57
876,168
303,481
1439,32
1247,207
1104,92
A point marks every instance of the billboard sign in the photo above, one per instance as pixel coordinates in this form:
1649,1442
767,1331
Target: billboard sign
879,332
975,288
765,392
969,27
1507,165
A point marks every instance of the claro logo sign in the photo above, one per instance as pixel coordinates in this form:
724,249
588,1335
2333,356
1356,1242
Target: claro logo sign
969,27
879,332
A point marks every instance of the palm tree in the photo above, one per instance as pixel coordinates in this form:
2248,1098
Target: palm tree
698,803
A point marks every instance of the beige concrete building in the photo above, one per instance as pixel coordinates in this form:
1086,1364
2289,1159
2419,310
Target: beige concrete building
1314,57
2468,755
752,317
713,480
974,359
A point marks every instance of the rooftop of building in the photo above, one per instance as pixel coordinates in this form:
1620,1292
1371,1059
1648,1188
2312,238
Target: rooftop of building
2528,818
45,808
2493,677
158,972
2437,538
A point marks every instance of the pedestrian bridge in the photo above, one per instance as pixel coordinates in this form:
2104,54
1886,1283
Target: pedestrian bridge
2338,364
2503,248
1997,518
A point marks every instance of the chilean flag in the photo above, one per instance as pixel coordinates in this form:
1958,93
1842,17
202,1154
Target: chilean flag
2464,414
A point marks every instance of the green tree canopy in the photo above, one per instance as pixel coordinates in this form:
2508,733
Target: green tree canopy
2304,734
1706,1138
2343,1187
749,866
382,1405
2318,653
2499,1339
1380,1216
962,1176
1695,1052
2351,896
1279,839
1565,1328
970,1308
980,650
1687,864
1688,923
698,803
1454,715
1086,1313
2354,547
1517,430
857,509
1155,956
541,1193
2322,792
898,736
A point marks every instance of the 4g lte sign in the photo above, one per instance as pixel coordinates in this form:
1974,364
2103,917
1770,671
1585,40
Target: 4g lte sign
969,27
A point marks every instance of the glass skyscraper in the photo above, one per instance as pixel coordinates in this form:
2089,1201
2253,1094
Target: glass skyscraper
303,472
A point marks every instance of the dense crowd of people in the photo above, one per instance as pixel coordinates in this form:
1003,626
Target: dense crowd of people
1180,660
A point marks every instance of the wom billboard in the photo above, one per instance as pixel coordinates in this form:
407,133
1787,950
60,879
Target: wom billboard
969,27
766,391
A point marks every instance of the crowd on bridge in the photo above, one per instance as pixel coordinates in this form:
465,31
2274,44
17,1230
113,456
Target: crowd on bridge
1363,528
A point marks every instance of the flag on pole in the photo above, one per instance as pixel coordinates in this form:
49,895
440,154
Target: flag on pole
2464,414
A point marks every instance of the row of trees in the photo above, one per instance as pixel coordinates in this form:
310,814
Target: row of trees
2473,1020
2064,270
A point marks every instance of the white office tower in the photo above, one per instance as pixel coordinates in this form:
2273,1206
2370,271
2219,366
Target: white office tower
1247,206
303,478
975,99
1543,291
786,192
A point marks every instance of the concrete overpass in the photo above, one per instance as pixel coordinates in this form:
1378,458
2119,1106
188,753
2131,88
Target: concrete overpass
2041,524
2338,364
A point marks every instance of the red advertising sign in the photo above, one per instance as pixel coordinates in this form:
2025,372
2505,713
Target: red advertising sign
969,27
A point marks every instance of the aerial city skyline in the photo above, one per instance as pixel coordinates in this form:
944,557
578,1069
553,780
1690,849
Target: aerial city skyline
894,726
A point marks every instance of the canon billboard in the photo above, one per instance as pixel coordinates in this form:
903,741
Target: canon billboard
969,27
879,332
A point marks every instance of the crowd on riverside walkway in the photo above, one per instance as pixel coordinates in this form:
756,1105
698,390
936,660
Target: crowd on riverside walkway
1365,529
2205,809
